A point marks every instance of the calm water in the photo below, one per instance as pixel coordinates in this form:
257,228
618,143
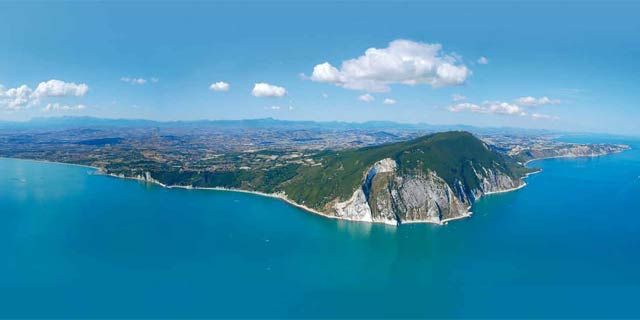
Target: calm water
75,244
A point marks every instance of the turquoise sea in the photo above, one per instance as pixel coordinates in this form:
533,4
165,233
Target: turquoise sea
73,244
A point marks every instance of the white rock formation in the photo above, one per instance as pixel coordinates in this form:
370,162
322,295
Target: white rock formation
387,197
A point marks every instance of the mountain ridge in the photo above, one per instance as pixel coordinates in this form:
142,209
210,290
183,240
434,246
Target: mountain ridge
432,178
65,122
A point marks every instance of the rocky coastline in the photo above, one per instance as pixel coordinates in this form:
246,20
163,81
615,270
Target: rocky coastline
388,197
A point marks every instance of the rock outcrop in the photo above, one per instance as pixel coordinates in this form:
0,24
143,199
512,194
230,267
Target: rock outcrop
567,150
387,196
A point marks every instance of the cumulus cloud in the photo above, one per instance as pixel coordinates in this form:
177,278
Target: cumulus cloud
366,98
503,108
16,98
493,107
389,101
535,102
59,88
267,90
402,62
517,108
62,107
483,60
465,106
219,86
24,97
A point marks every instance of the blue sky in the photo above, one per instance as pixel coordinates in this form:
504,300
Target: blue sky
571,65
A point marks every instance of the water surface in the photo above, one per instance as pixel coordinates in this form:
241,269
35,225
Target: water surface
74,244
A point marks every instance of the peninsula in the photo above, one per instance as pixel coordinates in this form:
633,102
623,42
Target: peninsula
375,172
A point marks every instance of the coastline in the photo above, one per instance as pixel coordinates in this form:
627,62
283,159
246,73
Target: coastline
284,198
442,222
54,162
576,156
281,197
524,184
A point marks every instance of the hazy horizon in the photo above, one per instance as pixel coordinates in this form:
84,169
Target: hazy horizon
503,64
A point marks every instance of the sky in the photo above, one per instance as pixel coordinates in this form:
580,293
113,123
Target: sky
557,65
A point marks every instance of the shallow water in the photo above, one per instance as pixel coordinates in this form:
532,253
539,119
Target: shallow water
77,244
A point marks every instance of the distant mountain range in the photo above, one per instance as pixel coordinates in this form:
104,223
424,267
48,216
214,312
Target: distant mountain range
67,122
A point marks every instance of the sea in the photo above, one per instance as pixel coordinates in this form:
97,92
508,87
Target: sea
77,244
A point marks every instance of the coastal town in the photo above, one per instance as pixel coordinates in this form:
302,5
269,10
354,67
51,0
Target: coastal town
130,149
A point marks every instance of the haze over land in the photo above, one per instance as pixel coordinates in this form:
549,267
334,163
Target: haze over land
441,63
374,171
319,159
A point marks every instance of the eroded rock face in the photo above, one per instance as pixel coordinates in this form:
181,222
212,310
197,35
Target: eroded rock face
388,197
426,199
491,181
356,208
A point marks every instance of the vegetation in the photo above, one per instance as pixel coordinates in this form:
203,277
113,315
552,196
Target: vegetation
337,174
452,155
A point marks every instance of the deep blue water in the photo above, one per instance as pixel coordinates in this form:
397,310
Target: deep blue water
74,244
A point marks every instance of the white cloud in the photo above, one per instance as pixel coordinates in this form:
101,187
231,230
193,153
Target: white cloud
389,101
402,62
325,72
58,88
518,107
219,86
537,116
483,60
458,97
489,107
62,107
136,80
366,98
498,107
503,108
24,97
16,98
535,102
267,90
465,106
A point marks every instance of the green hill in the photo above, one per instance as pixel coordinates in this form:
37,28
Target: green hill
452,155
433,178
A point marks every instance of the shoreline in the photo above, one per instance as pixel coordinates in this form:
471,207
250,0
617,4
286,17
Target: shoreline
54,162
222,189
524,184
576,156
284,198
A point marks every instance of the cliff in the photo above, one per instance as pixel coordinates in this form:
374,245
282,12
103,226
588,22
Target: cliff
387,196
566,151
431,179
